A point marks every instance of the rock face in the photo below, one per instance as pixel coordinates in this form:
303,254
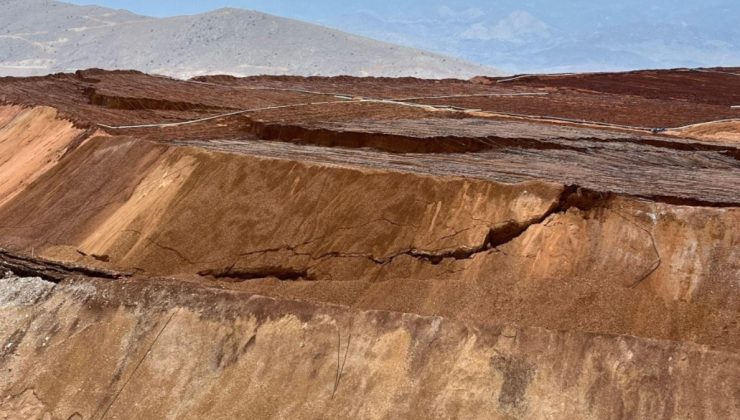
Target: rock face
288,247
42,36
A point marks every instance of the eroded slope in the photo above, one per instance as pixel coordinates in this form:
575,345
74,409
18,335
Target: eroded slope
506,228
169,349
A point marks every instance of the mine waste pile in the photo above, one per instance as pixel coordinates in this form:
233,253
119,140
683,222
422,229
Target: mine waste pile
539,247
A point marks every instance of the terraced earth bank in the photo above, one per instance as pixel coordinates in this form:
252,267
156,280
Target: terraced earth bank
272,247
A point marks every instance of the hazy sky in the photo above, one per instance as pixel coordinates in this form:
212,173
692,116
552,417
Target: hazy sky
518,35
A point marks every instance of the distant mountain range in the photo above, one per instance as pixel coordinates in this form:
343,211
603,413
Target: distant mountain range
535,36
42,36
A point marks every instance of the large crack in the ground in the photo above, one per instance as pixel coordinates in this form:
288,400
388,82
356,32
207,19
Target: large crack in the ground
395,143
401,143
506,232
278,272
701,179
143,103
498,236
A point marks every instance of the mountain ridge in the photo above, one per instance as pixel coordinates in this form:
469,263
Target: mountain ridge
225,41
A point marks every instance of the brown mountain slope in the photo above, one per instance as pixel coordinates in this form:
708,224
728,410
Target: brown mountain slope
565,263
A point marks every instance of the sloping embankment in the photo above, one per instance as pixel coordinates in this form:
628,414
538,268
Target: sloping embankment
531,253
460,296
32,140
100,349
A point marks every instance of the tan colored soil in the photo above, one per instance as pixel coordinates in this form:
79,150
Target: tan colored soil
723,131
31,141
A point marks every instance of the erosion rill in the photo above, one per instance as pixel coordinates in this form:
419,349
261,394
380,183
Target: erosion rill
370,248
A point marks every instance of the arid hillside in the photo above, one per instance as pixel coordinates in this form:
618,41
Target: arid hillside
285,247
41,37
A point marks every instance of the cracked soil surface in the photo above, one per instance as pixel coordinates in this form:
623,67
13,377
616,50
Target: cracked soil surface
283,247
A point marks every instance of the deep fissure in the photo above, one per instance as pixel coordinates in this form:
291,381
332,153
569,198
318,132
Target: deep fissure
243,274
572,196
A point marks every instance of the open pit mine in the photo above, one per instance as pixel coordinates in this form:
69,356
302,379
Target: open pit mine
538,247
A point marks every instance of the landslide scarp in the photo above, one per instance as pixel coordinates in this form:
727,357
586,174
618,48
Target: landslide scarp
531,253
437,264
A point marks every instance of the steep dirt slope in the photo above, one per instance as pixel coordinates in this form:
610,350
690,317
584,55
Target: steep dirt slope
296,244
386,240
31,141
167,349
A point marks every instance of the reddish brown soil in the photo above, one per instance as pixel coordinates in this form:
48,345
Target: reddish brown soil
641,99
544,203
342,122
709,86
627,109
